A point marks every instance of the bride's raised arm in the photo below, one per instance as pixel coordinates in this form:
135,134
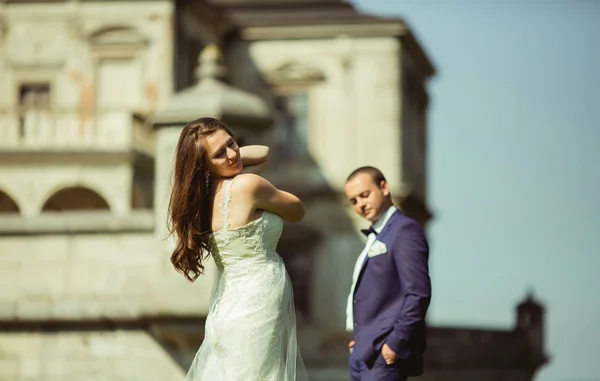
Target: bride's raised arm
254,158
264,196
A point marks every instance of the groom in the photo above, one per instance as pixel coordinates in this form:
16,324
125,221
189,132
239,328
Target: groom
391,288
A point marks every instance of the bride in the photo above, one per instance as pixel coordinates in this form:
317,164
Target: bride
218,207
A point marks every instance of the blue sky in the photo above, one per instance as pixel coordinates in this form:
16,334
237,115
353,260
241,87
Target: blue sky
514,170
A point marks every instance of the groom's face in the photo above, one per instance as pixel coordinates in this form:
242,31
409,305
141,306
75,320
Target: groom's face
369,200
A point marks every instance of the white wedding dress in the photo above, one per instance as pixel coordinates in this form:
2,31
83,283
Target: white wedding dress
250,332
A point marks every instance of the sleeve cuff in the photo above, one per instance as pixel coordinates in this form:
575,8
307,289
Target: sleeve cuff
398,346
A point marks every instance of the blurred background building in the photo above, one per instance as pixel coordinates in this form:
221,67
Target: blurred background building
93,97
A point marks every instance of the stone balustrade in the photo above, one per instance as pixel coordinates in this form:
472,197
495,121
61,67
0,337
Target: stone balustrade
74,130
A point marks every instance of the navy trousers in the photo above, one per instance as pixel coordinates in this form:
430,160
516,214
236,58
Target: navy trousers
379,372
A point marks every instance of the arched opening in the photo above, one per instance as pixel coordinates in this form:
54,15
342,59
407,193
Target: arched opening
75,198
297,246
7,204
142,192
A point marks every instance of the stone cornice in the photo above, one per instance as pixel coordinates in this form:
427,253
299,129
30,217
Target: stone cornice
76,223
81,156
323,31
105,324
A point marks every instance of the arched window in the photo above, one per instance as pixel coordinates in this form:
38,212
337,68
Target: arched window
291,83
118,73
7,204
75,198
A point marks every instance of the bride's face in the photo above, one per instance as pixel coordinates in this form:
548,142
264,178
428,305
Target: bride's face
222,154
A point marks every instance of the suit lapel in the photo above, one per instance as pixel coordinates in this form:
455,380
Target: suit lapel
380,237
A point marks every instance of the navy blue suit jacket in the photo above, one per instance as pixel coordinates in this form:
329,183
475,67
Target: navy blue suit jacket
392,296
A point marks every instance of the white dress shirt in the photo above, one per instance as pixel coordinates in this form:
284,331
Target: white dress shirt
378,227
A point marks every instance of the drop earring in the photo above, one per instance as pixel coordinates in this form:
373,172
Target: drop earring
207,180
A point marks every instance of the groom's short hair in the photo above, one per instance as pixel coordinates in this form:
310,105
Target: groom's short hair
375,174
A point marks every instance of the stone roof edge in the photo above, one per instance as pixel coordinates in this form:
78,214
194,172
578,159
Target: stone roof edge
377,28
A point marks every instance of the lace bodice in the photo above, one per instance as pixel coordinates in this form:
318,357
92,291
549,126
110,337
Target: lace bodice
246,245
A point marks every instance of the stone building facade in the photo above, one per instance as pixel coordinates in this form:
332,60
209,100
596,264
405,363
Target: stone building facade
93,96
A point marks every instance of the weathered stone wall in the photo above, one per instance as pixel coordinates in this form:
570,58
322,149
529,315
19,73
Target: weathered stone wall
92,356
92,276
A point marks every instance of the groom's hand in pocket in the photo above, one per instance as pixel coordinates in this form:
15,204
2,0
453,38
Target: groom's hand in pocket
351,346
388,355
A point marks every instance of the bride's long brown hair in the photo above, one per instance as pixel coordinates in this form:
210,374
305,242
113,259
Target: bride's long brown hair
190,205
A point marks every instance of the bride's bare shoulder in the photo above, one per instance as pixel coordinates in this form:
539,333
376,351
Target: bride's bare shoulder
250,183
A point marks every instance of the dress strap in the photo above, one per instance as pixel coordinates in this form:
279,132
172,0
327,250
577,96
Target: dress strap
224,205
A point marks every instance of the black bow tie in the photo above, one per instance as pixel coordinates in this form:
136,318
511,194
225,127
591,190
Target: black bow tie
368,231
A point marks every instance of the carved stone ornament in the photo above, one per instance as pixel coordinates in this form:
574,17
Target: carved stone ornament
117,41
294,73
118,36
210,96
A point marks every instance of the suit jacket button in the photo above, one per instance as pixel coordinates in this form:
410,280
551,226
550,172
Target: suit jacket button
354,301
